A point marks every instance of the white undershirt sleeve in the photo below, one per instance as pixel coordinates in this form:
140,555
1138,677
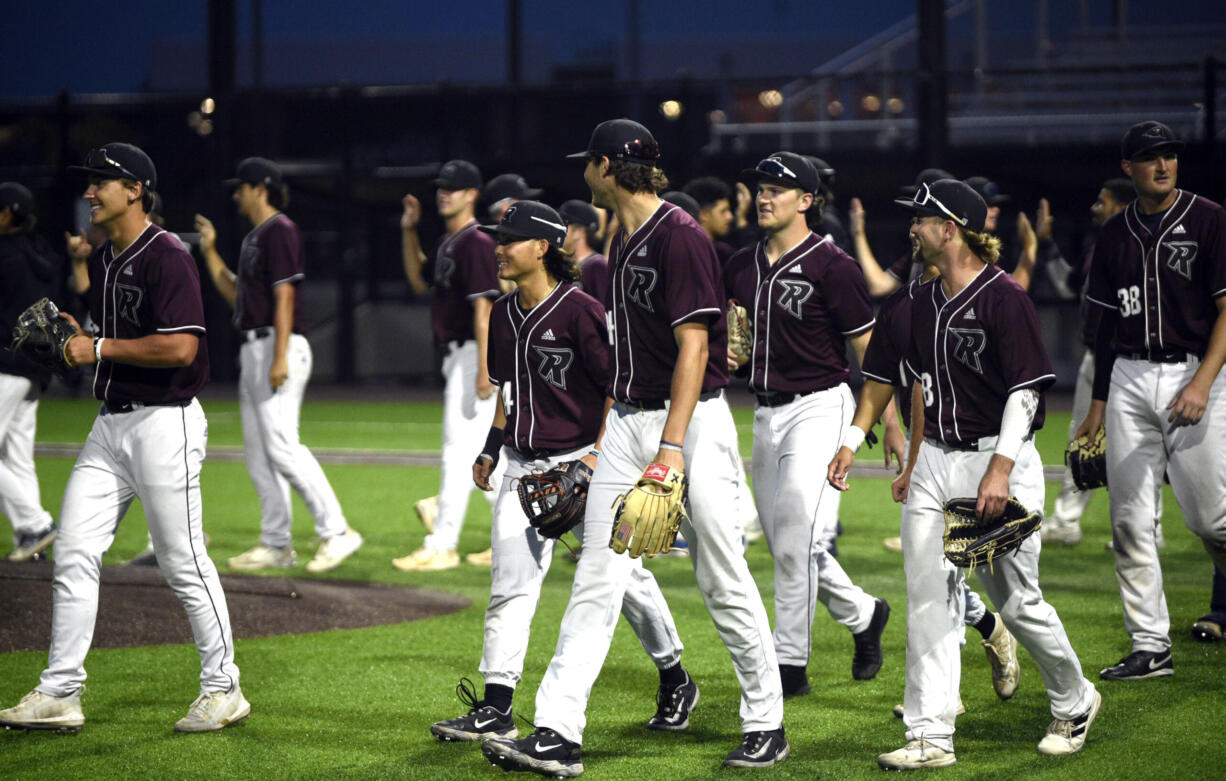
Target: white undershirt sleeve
1015,423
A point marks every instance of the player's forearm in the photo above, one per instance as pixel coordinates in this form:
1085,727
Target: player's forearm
874,397
283,319
687,379
223,278
156,351
879,282
410,247
1016,421
1024,272
80,277
481,331
917,424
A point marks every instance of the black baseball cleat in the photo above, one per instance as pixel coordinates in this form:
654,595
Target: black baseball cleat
759,749
867,660
673,706
30,547
482,722
544,752
1208,628
1138,665
795,681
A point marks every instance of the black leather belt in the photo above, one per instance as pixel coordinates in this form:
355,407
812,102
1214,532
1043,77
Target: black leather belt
655,404
131,406
543,453
1159,356
779,398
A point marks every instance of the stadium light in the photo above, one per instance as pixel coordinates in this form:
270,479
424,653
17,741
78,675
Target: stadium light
770,98
207,106
671,109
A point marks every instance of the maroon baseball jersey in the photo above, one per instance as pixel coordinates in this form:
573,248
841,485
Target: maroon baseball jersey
462,269
152,287
802,310
884,360
663,275
271,255
594,276
971,351
551,364
1163,283
904,269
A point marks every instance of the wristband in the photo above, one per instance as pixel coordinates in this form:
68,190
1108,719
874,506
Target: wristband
98,349
853,438
594,452
493,446
666,445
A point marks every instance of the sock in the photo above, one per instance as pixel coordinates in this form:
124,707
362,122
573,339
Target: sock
986,625
498,696
672,677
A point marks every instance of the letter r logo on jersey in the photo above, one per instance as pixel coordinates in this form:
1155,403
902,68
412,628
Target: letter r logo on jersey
1183,253
795,293
642,282
129,300
554,363
971,342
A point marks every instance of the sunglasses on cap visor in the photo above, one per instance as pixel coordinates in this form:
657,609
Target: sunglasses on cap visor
924,197
775,168
99,159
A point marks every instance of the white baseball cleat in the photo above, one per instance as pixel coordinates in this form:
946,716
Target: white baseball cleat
1001,649
1063,533
892,544
264,557
427,560
427,512
1067,736
916,755
334,550
213,711
483,559
43,711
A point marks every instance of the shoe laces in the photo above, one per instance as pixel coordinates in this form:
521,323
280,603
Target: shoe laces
753,741
922,745
202,704
1062,727
466,692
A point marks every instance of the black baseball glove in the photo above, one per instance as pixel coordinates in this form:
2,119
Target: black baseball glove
554,500
1087,460
970,541
42,335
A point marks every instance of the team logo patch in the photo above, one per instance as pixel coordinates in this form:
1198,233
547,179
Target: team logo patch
554,363
642,282
129,301
971,342
795,293
444,269
1183,254
656,471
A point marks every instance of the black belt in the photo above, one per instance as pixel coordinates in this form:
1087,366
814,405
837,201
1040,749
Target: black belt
543,453
1159,356
262,332
131,406
779,398
657,404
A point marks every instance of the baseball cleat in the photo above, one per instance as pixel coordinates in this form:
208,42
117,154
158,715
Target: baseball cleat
759,749
1208,628
264,557
43,711
29,546
1140,664
916,755
483,559
482,722
427,560
427,512
1063,533
1001,649
674,705
334,550
213,711
1067,736
795,681
544,752
892,544
867,659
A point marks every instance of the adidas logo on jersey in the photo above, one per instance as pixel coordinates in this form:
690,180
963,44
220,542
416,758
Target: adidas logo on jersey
642,253
796,270
127,270
1178,230
548,335
970,314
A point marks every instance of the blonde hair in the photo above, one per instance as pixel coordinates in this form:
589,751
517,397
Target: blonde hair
985,246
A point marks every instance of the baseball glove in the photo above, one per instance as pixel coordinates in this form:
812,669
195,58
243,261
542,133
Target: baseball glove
42,335
740,332
1087,460
970,541
554,500
647,517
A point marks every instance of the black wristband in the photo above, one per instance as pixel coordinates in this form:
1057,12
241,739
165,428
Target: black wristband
493,446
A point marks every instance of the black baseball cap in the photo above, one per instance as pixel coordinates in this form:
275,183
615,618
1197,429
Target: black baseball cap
120,161
16,197
926,176
988,190
1148,137
825,172
784,168
506,186
529,220
687,203
576,212
256,170
458,175
950,199
621,139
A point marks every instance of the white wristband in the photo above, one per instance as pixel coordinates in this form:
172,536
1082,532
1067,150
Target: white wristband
853,438
98,349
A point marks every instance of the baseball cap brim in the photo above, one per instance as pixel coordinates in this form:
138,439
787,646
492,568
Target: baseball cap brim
110,173
923,211
1176,145
580,155
494,230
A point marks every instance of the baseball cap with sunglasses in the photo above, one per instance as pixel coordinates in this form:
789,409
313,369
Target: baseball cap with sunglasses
120,161
784,168
621,139
951,200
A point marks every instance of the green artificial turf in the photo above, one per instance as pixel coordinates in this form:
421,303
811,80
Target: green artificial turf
358,703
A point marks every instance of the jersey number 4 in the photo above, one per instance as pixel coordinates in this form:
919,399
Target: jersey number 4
1130,301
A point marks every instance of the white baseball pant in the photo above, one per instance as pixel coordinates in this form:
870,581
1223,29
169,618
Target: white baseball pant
1141,446
466,421
153,453
521,559
935,595
791,442
1071,502
630,442
20,500
276,459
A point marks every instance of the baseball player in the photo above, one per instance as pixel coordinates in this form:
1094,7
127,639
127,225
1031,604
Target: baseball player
883,282
148,442
29,270
504,191
274,368
714,199
550,360
462,277
977,358
805,301
666,382
1160,279
823,218
582,237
